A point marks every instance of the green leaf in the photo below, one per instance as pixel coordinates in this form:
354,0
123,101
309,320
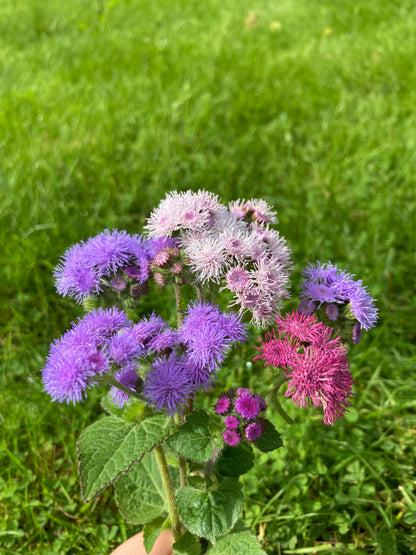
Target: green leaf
193,439
140,494
238,542
152,530
187,545
211,514
235,461
135,411
110,446
270,438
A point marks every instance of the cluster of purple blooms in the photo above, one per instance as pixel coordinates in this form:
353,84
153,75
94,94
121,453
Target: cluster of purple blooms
232,246
163,365
338,295
243,415
314,361
112,258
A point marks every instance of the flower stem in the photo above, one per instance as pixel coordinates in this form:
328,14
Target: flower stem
170,492
281,378
111,381
199,291
178,304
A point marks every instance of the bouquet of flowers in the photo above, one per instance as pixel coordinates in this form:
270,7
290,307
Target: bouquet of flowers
171,443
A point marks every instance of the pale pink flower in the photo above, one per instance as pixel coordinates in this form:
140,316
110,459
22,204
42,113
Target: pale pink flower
237,279
258,209
207,258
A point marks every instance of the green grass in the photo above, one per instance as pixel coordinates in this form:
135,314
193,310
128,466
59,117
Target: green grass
105,106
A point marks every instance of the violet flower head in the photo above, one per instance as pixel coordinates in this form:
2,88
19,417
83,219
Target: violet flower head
66,377
74,276
223,405
231,437
253,431
208,334
167,385
123,348
109,250
80,354
247,406
148,328
326,283
231,422
103,323
86,266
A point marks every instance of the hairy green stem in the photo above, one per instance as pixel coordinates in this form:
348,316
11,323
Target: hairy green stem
199,291
170,491
178,304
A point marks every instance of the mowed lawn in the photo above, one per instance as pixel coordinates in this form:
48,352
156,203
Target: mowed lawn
104,107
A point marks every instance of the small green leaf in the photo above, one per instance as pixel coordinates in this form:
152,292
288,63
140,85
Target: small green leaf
239,541
151,532
110,446
187,545
211,514
135,411
193,439
235,461
270,438
140,494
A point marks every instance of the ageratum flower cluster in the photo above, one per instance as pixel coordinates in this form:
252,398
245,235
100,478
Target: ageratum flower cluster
243,415
232,246
111,259
337,297
164,365
314,361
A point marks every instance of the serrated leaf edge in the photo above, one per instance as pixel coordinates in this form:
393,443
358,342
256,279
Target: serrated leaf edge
80,473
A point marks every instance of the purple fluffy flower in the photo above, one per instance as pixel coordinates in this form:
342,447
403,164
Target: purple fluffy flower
167,385
247,406
80,354
109,250
231,437
231,422
208,334
66,376
202,377
163,342
253,431
74,276
104,323
223,405
123,348
326,283
148,328
84,268
243,391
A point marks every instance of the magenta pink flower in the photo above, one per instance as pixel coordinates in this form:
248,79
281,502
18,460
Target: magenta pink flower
231,437
231,422
276,351
223,405
253,431
321,377
247,406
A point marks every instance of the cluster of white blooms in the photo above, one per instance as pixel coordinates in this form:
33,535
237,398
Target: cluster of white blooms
233,246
